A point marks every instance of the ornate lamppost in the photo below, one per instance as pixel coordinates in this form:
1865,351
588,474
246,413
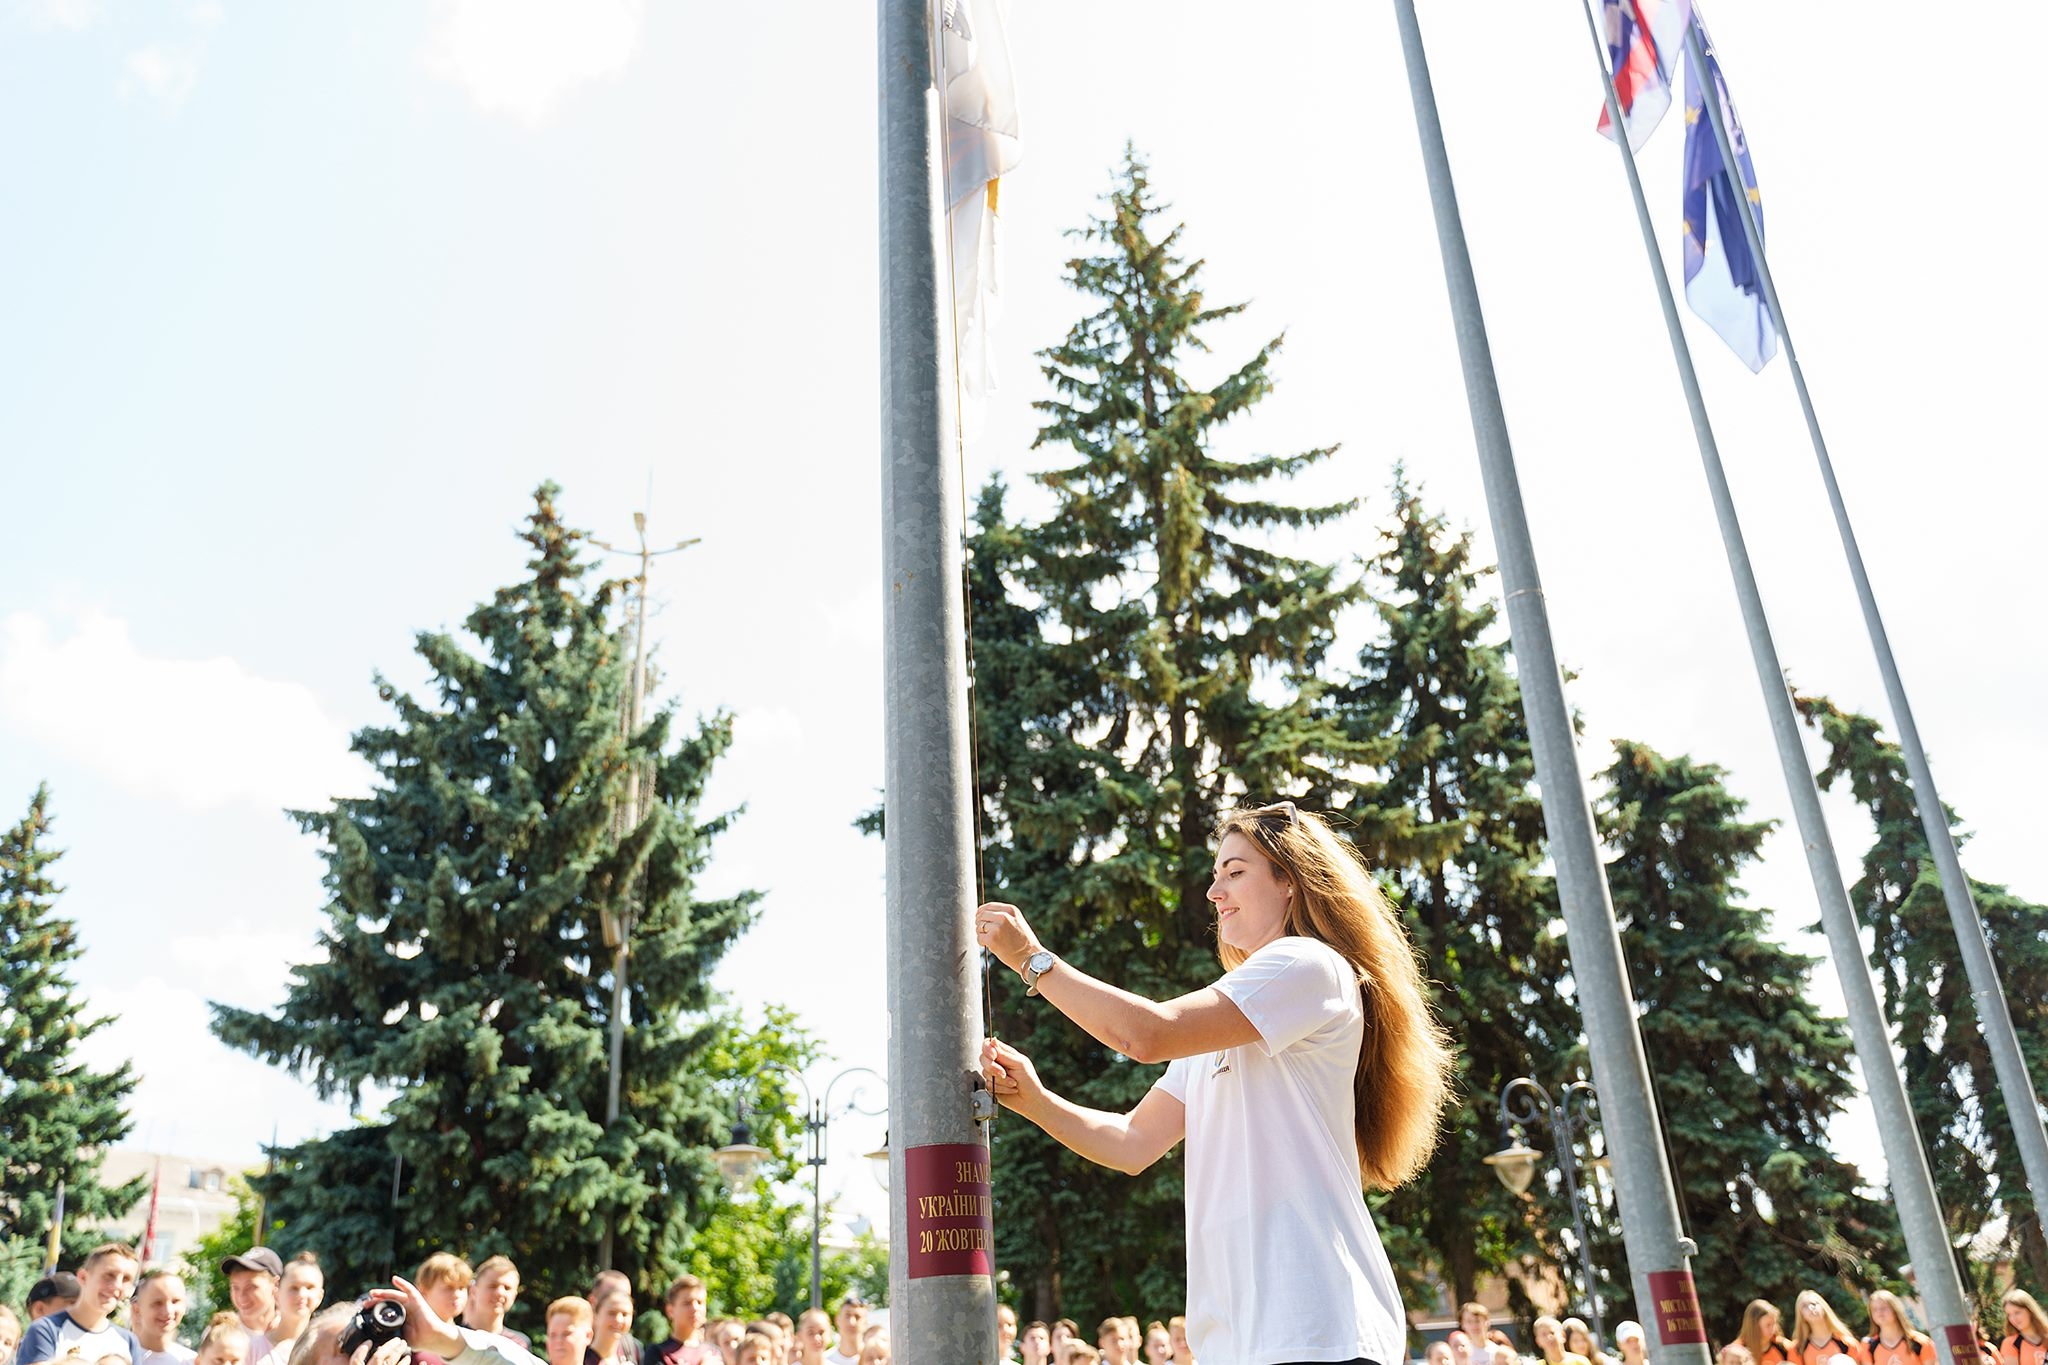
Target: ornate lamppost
1523,1102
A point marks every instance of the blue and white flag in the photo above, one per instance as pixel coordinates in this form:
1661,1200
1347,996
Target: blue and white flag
1722,283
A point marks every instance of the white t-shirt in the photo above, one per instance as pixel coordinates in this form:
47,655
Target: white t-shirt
835,1357
174,1353
1283,1261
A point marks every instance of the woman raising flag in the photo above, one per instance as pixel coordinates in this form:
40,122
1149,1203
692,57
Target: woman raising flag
1311,1071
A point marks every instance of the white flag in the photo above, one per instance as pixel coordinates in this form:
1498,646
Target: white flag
981,148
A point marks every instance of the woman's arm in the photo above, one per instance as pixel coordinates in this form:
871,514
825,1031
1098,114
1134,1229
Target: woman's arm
1143,1030
1124,1142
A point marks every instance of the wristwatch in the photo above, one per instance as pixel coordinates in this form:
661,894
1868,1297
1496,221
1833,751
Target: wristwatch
1035,966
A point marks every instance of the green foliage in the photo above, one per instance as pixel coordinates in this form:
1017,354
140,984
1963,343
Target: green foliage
1950,1081
1751,1077
464,965
1141,663
1455,818
57,1115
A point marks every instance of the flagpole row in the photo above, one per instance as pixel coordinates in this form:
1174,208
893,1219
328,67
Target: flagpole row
1658,1251
1911,1181
1985,989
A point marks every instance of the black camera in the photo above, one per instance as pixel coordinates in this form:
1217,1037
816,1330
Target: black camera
375,1323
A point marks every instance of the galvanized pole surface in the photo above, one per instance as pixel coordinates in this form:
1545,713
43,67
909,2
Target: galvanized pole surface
620,953
941,1292
1912,1185
1992,1015
1657,1251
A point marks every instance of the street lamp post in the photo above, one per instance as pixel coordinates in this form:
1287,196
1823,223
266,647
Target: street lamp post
1522,1102
740,1159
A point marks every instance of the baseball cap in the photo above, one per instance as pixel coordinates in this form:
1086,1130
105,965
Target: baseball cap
62,1285
255,1258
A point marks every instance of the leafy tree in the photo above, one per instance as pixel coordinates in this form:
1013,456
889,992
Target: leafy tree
464,966
1142,661
57,1115
1750,1076
1455,818
1950,1080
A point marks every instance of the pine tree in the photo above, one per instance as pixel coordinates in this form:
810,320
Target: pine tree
1142,662
1950,1081
464,965
1457,821
57,1115
1750,1076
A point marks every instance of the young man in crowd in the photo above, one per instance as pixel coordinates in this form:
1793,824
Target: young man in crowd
1113,1341
1475,1320
52,1294
154,1315
1034,1344
105,1282
569,1324
491,1298
444,1280
683,1306
254,1278
298,1298
853,1320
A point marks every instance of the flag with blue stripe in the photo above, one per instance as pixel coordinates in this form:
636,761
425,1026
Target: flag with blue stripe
1722,283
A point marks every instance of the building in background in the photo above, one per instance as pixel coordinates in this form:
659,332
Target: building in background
194,1196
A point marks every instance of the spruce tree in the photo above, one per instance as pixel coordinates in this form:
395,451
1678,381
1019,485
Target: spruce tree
1143,660
57,1115
1751,1077
464,968
1456,820
1950,1081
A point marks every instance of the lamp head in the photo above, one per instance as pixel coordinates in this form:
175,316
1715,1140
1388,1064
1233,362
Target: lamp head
1515,1164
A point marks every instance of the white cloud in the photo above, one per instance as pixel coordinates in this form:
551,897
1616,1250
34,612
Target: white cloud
206,13
200,732
520,57
161,72
72,14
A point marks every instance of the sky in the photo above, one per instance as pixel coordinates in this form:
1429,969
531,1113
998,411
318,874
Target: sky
307,300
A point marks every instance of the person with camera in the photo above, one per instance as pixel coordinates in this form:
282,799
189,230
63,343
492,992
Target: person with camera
397,1326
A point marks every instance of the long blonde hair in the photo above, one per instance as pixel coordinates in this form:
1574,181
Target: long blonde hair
1404,1063
1752,1334
1801,1333
1898,1307
2033,1309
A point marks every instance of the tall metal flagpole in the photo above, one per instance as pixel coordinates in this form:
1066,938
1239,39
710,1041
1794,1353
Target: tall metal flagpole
941,1289
1658,1251
1992,1014
1912,1185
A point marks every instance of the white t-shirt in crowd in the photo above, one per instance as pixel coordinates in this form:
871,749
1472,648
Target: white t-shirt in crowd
833,1357
1284,1263
57,1334
175,1353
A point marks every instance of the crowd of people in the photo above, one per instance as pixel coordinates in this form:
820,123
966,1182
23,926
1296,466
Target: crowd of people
110,1312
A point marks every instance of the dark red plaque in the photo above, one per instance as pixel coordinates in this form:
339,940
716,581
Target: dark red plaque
1679,1320
1962,1346
949,1216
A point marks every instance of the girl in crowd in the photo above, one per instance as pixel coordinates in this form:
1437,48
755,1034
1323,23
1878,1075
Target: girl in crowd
1819,1334
225,1341
1548,1334
609,1328
2026,1341
1632,1342
1892,1340
1158,1345
1763,1334
1578,1340
1312,1070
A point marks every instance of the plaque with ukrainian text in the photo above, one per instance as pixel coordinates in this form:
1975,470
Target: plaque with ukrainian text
949,1214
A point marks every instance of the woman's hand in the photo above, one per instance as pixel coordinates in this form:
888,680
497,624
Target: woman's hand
1012,1079
1001,929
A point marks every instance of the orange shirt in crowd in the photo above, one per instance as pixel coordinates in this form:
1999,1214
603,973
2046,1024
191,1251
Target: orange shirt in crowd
1778,1352
1905,1351
1821,1352
2017,1350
